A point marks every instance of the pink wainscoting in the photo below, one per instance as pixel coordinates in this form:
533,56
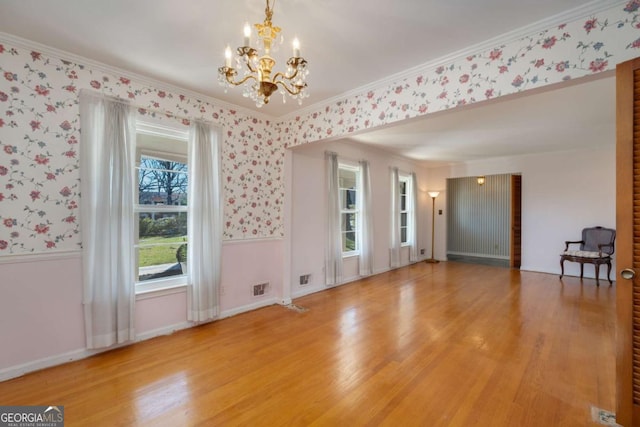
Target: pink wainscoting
161,314
40,309
248,263
41,316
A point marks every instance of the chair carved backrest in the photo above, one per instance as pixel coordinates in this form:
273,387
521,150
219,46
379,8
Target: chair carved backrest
594,236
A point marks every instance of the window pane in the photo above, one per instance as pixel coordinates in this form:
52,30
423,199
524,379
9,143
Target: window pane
348,222
161,225
403,187
350,199
162,182
403,203
347,178
155,262
348,241
160,235
347,199
403,219
403,234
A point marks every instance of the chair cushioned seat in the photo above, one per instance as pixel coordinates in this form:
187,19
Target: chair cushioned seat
585,254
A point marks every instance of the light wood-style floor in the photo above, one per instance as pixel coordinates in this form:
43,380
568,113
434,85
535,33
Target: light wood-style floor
448,344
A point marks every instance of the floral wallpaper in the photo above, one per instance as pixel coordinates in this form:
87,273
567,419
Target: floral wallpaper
40,138
40,135
577,49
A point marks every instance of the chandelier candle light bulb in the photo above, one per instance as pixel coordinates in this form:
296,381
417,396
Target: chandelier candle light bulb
296,48
227,56
258,66
247,34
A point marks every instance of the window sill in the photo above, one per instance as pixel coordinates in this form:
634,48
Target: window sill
160,288
350,255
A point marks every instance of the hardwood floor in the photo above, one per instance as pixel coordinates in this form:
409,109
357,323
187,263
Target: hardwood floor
444,344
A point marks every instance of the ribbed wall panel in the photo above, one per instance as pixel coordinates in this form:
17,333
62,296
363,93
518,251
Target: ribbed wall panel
479,218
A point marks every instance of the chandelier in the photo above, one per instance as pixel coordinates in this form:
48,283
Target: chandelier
257,66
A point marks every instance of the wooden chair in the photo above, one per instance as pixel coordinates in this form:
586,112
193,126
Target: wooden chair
596,247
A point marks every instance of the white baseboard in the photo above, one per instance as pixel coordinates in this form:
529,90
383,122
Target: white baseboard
59,359
312,290
47,362
382,270
587,274
165,330
249,307
308,291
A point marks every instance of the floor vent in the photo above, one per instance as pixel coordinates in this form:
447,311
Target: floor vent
260,289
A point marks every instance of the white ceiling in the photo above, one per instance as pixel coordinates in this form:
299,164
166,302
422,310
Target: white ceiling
348,44
570,117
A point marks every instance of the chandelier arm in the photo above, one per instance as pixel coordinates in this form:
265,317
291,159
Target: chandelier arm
238,83
285,76
247,53
295,91
249,66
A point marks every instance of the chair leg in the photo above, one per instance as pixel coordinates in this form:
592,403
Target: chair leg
581,269
561,267
609,273
597,266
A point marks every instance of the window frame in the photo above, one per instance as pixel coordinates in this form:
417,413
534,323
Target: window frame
404,178
357,211
165,132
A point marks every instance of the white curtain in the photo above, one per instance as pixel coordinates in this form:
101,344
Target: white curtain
107,185
204,224
394,250
412,221
365,230
333,256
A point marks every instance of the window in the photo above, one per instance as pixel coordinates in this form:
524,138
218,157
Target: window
405,208
161,208
349,181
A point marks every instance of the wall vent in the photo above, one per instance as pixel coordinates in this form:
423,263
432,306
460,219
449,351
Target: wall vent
260,289
304,279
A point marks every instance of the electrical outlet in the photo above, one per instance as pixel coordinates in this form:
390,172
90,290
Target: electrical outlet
304,279
421,251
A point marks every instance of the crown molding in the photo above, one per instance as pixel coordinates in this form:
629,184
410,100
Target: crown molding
138,78
589,9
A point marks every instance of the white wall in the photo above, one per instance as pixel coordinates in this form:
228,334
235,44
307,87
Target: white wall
308,210
562,192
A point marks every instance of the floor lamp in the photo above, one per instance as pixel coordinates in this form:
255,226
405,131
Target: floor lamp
433,195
